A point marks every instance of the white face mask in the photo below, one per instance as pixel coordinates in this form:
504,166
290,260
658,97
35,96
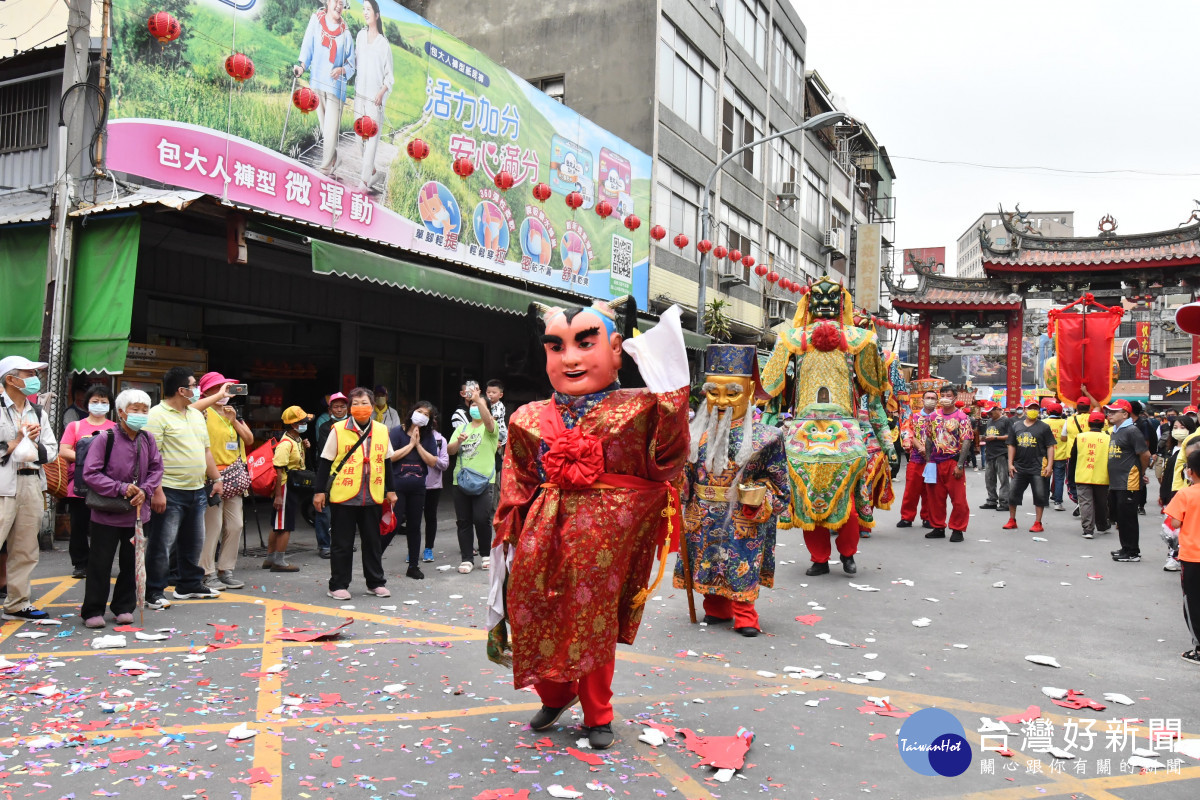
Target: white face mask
420,419
1179,434
224,401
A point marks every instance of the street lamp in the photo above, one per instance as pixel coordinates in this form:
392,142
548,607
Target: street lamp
819,122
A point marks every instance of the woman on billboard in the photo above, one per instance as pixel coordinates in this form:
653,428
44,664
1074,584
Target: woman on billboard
373,63
327,54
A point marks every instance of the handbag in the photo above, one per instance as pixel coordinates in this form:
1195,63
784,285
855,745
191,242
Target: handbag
56,477
235,480
115,505
301,479
473,483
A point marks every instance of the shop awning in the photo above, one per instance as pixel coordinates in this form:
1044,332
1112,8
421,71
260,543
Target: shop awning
106,254
23,253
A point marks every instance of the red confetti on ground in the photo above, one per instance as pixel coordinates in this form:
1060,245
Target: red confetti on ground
1076,700
311,634
127,629
121,756
503,794
1029,714
722,752
587,758
874,737
808,619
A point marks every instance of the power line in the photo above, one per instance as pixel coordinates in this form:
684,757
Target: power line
1056,170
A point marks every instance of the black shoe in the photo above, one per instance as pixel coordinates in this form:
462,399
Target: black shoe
1075,513
988,505
956,536
1191,656
1115,553
601,737
926,524
904,523
26,613
848,565
323,554
711,620
936,533
1130,558
79,572
415,573
1142,511
747,631
818,568
546,717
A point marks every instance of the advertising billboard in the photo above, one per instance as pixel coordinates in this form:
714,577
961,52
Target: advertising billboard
867,258
925,255
307,109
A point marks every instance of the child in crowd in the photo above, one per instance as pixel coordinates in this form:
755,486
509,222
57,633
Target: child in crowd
1183,515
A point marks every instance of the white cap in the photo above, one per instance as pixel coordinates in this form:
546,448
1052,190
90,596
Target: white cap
9,363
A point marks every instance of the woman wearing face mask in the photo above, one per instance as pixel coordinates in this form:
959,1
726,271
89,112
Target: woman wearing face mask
289,456
98,401
228,437
475,444
1173,477
132,469
354,469
414,450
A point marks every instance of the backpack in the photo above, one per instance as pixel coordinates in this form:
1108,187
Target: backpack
81,451
260,464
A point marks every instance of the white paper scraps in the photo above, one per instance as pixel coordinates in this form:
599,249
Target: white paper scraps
923,622
1039,539
107,642
387,608
195,658
1116,697
275,669
723,775
762,673
346,608
31,634
882,702
47,622
999,585
904,581
699,700
411,602
1057,752
874,675
933,600
802,673
45,691
241,731
830,640
989,725
1189,747
558,791
1063,583
871,656
1146,763
136,665
1045,661
862,587
393,688
6,664
857,680
142,636
41,743
812,703
652,737
1054,693
960,646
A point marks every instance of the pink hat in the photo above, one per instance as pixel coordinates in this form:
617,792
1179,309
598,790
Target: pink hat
211,380
337,396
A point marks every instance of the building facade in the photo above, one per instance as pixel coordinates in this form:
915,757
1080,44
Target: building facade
1057,224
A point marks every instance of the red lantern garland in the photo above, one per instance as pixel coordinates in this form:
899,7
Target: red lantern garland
747,261
418,150
681,241
704,245
735,255
240,67
720,251
658,233
574,200
365,127
772,277
760,270
632,222
305,99
503,180
604,209
803,290
164,27
541,192
463,167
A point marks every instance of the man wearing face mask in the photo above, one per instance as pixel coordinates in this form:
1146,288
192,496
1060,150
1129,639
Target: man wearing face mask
339,410
227,437
178,506
949,448
389,416
916,440
1031,446
995,457
737,483
414,452
26,442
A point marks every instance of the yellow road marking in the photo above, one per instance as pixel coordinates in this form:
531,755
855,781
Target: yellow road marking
268,745
10,627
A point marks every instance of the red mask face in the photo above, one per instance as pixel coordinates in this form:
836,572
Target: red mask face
581,357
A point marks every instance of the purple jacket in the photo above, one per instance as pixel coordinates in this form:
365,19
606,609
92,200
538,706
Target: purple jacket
115,481
433,478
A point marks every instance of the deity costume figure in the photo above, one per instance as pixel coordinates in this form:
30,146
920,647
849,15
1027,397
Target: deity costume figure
736,485
588,500
838,446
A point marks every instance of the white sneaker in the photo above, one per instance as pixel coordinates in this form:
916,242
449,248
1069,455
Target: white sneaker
1059,507
381,591
466,567
487,562
339,594
1171,566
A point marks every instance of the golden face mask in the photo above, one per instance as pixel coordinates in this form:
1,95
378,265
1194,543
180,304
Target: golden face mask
730,393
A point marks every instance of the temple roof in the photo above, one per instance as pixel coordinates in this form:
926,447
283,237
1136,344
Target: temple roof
936,291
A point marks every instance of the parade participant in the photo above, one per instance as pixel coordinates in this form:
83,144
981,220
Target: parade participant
995,457
837,458
1183,515
1128,459
1062,452
736,484
289,457
354,474
949,450
1091,476
1077,423
915,439
1031,447
583,508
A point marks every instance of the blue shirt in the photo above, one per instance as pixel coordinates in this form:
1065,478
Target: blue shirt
314,57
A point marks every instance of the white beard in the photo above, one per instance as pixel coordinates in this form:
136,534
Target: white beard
717,445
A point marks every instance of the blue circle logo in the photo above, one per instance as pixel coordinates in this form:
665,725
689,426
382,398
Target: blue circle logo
933,742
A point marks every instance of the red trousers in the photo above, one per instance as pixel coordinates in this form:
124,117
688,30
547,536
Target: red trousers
817,540
914,492
955,489
594,691
743,613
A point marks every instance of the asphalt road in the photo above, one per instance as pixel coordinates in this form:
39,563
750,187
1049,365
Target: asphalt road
405,703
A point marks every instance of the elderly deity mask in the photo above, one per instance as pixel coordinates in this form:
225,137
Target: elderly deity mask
583,350
825,299
728,393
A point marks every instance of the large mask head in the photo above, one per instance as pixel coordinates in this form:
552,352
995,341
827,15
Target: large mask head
729,378
825,300
583,349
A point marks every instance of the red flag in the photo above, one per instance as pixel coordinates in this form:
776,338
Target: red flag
1084,346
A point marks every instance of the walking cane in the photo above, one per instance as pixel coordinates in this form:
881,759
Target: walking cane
287,117
687,572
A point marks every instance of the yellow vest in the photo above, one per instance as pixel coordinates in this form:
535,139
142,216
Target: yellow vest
1091,457
1062,450
347,485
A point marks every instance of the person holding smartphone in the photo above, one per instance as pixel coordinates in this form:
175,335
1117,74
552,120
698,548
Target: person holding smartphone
475,443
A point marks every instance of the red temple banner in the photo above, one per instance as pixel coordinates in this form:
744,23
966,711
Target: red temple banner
1142,368
1084,342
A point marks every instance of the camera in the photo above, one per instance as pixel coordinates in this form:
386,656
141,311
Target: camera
237,389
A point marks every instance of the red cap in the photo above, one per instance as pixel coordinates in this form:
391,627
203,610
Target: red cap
1054,408
1119,405
1096,416
1033,404
1190,410
1083,401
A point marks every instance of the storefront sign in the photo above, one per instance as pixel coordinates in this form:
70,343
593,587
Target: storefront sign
868,254
1142,365
178,118
1170,391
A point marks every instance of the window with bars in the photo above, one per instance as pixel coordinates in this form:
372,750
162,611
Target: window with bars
687,81
678,201
742,123
25,115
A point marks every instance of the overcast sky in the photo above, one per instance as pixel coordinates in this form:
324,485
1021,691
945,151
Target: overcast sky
1065,84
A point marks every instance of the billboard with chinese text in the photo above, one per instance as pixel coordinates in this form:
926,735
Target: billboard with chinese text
925,255
318,127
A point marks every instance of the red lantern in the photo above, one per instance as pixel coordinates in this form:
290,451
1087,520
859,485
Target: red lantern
365,127
735,255
632,222
803,290
785,284
795,288
773,277
240,67
574,200
760,270
658,233
704,245
503,180
681,241
719,251
305,99
463,167
747,261
418,150
604,209
541,192
164,27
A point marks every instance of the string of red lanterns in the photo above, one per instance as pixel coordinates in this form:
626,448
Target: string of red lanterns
305,99
164,27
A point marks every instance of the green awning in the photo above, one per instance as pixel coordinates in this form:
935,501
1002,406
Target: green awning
691,339
351,262
106,252
23,253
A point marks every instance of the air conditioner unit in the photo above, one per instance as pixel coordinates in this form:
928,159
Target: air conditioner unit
789,190
731,272
777,308
835,239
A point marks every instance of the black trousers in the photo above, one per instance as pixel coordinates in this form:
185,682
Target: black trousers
1189,578
107,542
432,497
81,517
1123,508
343,520
410,508
473,515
